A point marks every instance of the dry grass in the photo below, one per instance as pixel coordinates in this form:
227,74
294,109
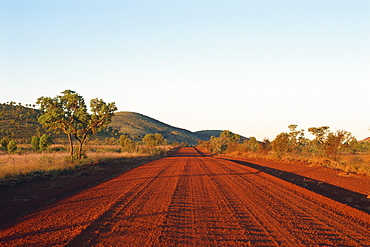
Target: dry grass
56,159
101,156
16,165
356,163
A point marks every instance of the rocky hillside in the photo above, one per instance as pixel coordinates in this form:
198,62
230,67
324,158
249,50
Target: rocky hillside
20,123
138,125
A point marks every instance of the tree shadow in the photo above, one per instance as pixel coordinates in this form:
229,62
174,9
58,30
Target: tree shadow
336,193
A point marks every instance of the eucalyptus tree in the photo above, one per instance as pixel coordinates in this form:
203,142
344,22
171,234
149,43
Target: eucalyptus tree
221,143
68,113
336,141
153,140
127,144
320,134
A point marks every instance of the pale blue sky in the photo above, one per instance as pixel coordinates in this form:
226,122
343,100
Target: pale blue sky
252,67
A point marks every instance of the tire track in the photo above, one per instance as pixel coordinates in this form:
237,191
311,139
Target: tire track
192,200
255,223
324,224
132,202
63,221
179,222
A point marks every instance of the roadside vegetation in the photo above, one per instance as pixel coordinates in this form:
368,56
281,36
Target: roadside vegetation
49,159
63,134
336,149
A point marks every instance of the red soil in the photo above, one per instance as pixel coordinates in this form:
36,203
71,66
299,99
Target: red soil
192,200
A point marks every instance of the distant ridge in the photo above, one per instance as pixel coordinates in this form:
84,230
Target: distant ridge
138,125
207,134
20,122
365,140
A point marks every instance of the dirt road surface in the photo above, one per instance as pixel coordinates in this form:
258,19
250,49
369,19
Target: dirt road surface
192,200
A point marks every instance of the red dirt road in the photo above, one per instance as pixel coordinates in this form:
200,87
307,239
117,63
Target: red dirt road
192,200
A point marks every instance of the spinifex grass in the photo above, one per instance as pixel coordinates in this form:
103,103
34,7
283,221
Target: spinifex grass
15,165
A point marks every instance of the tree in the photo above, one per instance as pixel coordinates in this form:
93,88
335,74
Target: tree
101,115
320,134
45,141
335,142
296,137
153,140
251,144
220,144
68,113
35,143
127,144
4,142
12,147
265,146
282,143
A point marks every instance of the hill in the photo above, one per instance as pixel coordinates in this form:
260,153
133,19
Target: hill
20,123
206,134
138,125
365,140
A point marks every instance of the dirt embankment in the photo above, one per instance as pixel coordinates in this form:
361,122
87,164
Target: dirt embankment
192,200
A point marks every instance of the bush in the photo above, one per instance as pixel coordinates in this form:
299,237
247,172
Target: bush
35,143
12,147
45,141
4,143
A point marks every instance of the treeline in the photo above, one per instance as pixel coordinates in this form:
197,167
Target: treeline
229,142
38,144
150,143
326,143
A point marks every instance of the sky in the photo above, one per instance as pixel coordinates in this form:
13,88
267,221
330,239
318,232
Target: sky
251,67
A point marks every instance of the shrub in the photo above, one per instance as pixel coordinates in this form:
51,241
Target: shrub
12,147
45,141
4,143
35,143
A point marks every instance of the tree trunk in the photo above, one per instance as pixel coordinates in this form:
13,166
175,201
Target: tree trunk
81,141
70,145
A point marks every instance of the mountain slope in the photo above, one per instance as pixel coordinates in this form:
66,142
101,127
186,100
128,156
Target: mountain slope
20,123
206,134
139,125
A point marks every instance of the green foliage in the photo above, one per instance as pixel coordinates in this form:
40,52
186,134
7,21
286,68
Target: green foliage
220,144
317,144
12,147
335,142
282,143
45,141
153,140
35,143
251,144
325,143
297,140
18,122
137,126
4,142
68,113
127,144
